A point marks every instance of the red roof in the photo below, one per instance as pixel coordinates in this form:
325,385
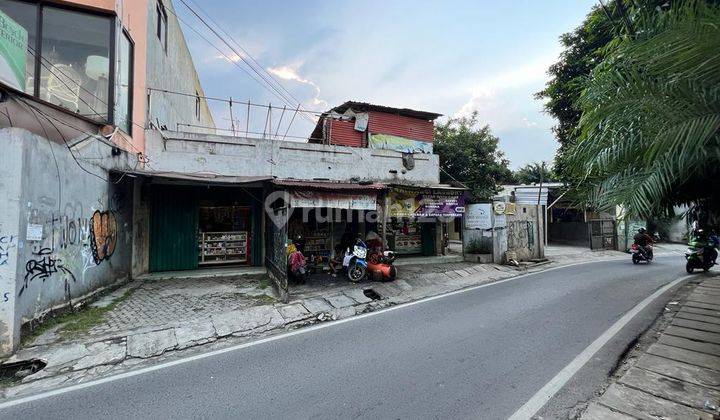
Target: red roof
329,185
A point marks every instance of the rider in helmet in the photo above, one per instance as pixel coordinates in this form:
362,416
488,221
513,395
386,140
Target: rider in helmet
644,242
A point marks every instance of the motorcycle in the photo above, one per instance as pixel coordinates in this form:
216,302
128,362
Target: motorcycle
699,255
639,255
380,264
355,263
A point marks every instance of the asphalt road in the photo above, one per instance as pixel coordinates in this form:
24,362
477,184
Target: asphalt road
478,354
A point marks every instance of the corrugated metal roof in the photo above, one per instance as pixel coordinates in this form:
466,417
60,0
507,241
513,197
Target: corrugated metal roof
328,185
198,177
407,112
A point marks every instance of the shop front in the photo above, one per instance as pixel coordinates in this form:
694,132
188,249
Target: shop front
326,217
415,218
193,226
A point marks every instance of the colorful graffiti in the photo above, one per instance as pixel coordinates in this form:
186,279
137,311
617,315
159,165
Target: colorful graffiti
103,235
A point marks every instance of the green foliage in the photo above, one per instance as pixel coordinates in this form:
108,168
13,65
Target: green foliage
533,172
470,155
584,48
649,131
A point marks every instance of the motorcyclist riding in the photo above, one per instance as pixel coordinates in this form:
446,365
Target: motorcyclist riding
644,242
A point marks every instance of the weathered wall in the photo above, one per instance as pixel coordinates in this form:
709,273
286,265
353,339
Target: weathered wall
173,70
523,236
226,155
84,221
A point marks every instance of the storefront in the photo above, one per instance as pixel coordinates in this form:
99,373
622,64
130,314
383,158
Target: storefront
195,226
416,216
328,216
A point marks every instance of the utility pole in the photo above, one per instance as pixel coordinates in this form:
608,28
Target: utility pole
540,239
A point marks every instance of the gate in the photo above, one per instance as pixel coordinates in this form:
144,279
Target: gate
602,234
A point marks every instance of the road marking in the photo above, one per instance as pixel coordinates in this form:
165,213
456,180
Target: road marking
305,330
551,388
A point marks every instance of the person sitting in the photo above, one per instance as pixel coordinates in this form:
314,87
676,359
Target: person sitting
297,264
644,242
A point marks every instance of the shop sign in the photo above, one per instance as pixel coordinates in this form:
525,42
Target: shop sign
13,44
426,202
317,199
478,216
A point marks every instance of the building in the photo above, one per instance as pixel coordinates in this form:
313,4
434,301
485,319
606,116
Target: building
76,99
112,168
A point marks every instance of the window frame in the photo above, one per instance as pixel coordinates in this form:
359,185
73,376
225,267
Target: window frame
37,61
131,80
162,25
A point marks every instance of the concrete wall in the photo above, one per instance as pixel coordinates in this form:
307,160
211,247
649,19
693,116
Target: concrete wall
85,223
173,70
524,238
226,155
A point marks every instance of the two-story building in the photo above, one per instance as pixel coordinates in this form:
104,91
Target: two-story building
99,186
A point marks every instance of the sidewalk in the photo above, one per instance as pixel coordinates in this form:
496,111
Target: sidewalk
149,320
678,376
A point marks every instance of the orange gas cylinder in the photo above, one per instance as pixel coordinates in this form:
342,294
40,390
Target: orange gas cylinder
388,272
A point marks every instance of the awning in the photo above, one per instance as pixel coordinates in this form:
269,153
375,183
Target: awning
329,185
198,177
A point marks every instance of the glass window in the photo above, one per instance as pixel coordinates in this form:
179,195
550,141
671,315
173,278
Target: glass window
162,28
75,62
25,14
123,85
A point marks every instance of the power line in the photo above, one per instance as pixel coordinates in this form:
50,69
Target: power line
257,64
242,57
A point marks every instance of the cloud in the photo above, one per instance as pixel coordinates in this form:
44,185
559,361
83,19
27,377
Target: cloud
291,73
234,58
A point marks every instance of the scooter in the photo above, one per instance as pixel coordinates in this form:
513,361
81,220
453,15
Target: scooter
698,255
638,254
380,264
355,263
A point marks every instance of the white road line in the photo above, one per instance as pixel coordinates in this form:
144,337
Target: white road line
305,330
551,388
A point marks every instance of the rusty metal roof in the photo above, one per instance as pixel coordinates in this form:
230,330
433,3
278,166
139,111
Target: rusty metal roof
329,185
365,106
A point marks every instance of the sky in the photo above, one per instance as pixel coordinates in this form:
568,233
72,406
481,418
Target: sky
450,57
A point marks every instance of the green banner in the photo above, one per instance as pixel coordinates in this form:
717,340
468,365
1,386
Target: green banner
13,47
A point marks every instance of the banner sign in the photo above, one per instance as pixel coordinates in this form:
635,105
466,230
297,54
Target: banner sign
318,199
478,216
13,45
426,202
398,144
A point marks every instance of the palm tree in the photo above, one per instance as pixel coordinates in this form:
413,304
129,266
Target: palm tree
651,114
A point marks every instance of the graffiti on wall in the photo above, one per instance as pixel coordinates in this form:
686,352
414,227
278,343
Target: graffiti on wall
43,265
103,235
6,244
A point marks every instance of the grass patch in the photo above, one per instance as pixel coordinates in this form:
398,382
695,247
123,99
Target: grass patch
76,321
264,283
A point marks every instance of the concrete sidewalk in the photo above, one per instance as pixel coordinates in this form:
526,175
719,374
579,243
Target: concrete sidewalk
678,376
147,319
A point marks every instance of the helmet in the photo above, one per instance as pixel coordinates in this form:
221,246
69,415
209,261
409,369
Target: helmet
641,230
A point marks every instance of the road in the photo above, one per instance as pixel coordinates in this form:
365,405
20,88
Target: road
481,353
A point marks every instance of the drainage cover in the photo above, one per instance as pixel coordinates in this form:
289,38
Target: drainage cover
21,369
372,294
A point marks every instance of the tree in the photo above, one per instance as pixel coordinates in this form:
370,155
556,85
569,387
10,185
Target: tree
584,49
650,124
533,172
470,155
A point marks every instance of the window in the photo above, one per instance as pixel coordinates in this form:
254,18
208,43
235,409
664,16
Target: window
71,59
25,14
162,25
124,84
197,105
75,62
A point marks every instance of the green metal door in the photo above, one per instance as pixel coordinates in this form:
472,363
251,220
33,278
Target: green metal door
173,229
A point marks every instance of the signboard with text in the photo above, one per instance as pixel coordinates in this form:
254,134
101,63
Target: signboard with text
331,200
478,216
13,47
426,202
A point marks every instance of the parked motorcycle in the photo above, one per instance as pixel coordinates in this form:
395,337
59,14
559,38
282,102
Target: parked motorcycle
700,254
639,255
355,262
380,264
